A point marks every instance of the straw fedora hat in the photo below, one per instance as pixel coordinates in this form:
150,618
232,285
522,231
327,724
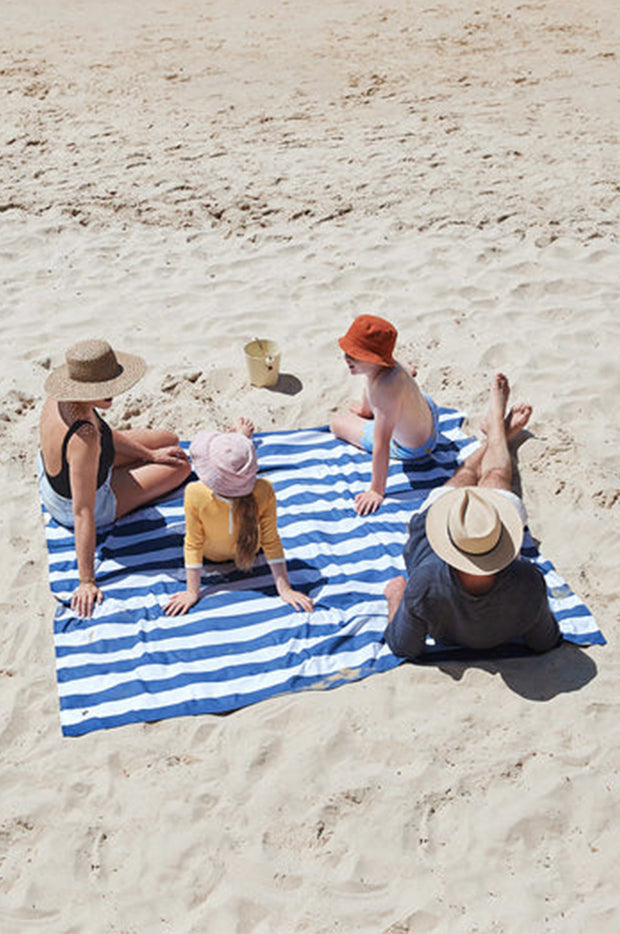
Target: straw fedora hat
93,371
475,529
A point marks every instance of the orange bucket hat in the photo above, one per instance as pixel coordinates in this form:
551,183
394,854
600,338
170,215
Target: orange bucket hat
370,338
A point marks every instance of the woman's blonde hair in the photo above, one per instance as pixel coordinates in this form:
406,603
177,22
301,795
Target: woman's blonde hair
245,517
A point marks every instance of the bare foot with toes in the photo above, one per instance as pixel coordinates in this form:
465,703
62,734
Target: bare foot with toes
245,426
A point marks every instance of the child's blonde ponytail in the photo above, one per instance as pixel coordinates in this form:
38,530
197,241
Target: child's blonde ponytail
245,517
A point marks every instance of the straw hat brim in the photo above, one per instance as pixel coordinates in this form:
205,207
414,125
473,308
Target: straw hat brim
61,387
508,545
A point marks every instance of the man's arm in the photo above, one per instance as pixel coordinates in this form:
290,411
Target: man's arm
405,633
545,633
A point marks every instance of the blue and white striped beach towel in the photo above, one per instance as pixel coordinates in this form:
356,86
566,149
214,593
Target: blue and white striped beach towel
240,643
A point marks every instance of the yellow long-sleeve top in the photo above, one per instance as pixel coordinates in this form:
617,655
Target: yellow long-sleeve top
209,531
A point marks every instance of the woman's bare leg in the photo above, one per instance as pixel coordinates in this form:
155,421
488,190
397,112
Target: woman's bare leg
136,486
136,483
151,438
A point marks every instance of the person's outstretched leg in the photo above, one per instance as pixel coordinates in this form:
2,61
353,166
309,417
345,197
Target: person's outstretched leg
470,472
496,465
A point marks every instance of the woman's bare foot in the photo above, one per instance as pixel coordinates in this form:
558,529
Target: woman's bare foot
245,426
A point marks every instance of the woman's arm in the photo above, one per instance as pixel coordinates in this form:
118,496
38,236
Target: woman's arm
83,459
193,546
128,450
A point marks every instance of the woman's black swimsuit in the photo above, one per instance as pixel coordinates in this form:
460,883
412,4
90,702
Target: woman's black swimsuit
61,482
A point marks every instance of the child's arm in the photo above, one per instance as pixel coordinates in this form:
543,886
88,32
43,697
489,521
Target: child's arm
273,551
181,602
362,408
370,500
193,545
296,598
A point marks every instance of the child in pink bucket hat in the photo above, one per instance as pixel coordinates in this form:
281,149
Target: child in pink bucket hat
230,515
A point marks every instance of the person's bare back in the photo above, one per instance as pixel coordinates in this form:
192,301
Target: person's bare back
396,393
394,419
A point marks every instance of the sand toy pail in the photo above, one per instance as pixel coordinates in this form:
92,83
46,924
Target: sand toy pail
263,359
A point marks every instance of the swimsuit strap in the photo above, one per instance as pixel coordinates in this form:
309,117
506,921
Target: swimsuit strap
69,434
60,482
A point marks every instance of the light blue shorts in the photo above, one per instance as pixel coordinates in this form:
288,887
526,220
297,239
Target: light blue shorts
61,508
397,450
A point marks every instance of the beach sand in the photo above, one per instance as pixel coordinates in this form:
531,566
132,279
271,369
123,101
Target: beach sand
179,178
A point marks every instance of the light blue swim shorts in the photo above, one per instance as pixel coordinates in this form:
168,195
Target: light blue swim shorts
397,450
61,508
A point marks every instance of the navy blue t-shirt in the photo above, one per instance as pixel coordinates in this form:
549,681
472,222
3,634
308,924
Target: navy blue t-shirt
435,603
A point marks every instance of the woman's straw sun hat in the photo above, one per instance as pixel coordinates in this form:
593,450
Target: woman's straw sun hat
475,529
93,371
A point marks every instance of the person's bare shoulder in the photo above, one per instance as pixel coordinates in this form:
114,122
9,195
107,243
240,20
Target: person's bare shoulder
389,384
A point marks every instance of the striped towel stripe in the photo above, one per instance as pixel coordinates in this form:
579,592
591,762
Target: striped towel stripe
240,644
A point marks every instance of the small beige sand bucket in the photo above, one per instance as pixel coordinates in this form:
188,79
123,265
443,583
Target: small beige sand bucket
263,359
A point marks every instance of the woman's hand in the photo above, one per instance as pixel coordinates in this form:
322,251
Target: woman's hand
171,455
180,603
295,598
84,599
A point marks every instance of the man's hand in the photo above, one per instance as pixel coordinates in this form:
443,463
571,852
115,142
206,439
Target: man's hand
367,502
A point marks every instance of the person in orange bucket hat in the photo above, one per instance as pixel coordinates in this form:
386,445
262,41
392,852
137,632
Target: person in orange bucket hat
395,418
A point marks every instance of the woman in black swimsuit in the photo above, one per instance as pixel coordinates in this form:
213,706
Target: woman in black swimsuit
89,475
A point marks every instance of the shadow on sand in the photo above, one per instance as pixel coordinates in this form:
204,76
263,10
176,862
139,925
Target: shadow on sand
535,677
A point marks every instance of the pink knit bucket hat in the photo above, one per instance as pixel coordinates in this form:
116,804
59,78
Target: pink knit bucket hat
225,461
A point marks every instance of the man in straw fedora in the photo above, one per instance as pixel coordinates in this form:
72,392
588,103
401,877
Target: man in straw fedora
467,584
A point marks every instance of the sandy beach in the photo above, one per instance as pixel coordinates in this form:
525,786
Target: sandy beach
179,178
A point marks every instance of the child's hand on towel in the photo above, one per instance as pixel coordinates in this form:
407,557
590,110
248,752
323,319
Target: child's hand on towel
297,599
367,502
180,603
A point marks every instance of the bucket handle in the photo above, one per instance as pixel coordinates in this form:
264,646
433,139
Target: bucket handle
267,357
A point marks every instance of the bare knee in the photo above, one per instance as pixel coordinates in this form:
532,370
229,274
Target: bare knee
497,478
464,476
336,426
166,439
183,471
